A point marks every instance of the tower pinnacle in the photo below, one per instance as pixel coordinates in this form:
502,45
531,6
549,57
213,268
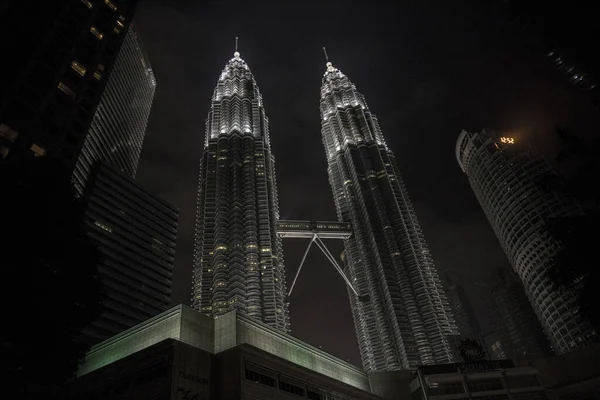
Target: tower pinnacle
329,65
236,54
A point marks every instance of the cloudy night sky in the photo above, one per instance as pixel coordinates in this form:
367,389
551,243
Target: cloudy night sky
428,69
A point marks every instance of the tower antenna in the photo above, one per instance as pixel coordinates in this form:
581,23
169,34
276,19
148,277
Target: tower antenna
326,56
236,43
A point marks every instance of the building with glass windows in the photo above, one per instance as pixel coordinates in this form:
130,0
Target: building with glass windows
63,52
496,380
118,128
505,177
401,314
515,333
461,308
238,258
136,233
562,34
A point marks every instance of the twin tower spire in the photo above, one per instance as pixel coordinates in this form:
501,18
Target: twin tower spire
401,317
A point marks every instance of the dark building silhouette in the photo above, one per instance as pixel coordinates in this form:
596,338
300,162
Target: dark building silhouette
57,58
136,233
118,128
464,315
485,380
566,34
515,332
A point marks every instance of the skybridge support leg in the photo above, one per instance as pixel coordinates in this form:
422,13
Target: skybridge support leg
331,259
301,264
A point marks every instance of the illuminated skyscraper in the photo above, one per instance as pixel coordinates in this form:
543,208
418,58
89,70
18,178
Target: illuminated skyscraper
402,317
118,128
238,260
504,177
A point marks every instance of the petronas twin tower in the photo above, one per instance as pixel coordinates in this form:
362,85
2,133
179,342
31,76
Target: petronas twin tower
402,318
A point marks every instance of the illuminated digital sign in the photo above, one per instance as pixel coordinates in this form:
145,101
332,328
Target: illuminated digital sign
507,140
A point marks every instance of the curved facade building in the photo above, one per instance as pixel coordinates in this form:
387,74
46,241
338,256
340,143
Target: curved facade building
504,179
406,320
238,259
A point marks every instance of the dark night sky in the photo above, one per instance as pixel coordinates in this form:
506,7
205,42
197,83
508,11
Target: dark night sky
428,69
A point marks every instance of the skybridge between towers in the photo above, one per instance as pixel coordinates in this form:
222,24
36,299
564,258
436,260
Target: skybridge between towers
316,231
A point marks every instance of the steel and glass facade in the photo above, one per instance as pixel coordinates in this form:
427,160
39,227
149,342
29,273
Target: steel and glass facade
515,333
118,128
63,52
238,259
504,177
136,233
406,320
461,308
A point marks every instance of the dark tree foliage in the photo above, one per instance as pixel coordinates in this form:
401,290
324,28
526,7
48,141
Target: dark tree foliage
50,290
577,266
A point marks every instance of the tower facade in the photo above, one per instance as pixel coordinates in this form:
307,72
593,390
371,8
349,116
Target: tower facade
118,128
461,308
516,332
238,260
405,319
67,50
136,233
505,178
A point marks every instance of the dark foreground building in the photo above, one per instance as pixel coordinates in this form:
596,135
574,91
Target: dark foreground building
183,354
136,232
496,380
61,52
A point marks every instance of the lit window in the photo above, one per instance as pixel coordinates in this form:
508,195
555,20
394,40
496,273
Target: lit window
122,18
265,249
120,24
77,67
117,30
103,226
8,133
39,151
87,3
110,5
96,32
66,90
